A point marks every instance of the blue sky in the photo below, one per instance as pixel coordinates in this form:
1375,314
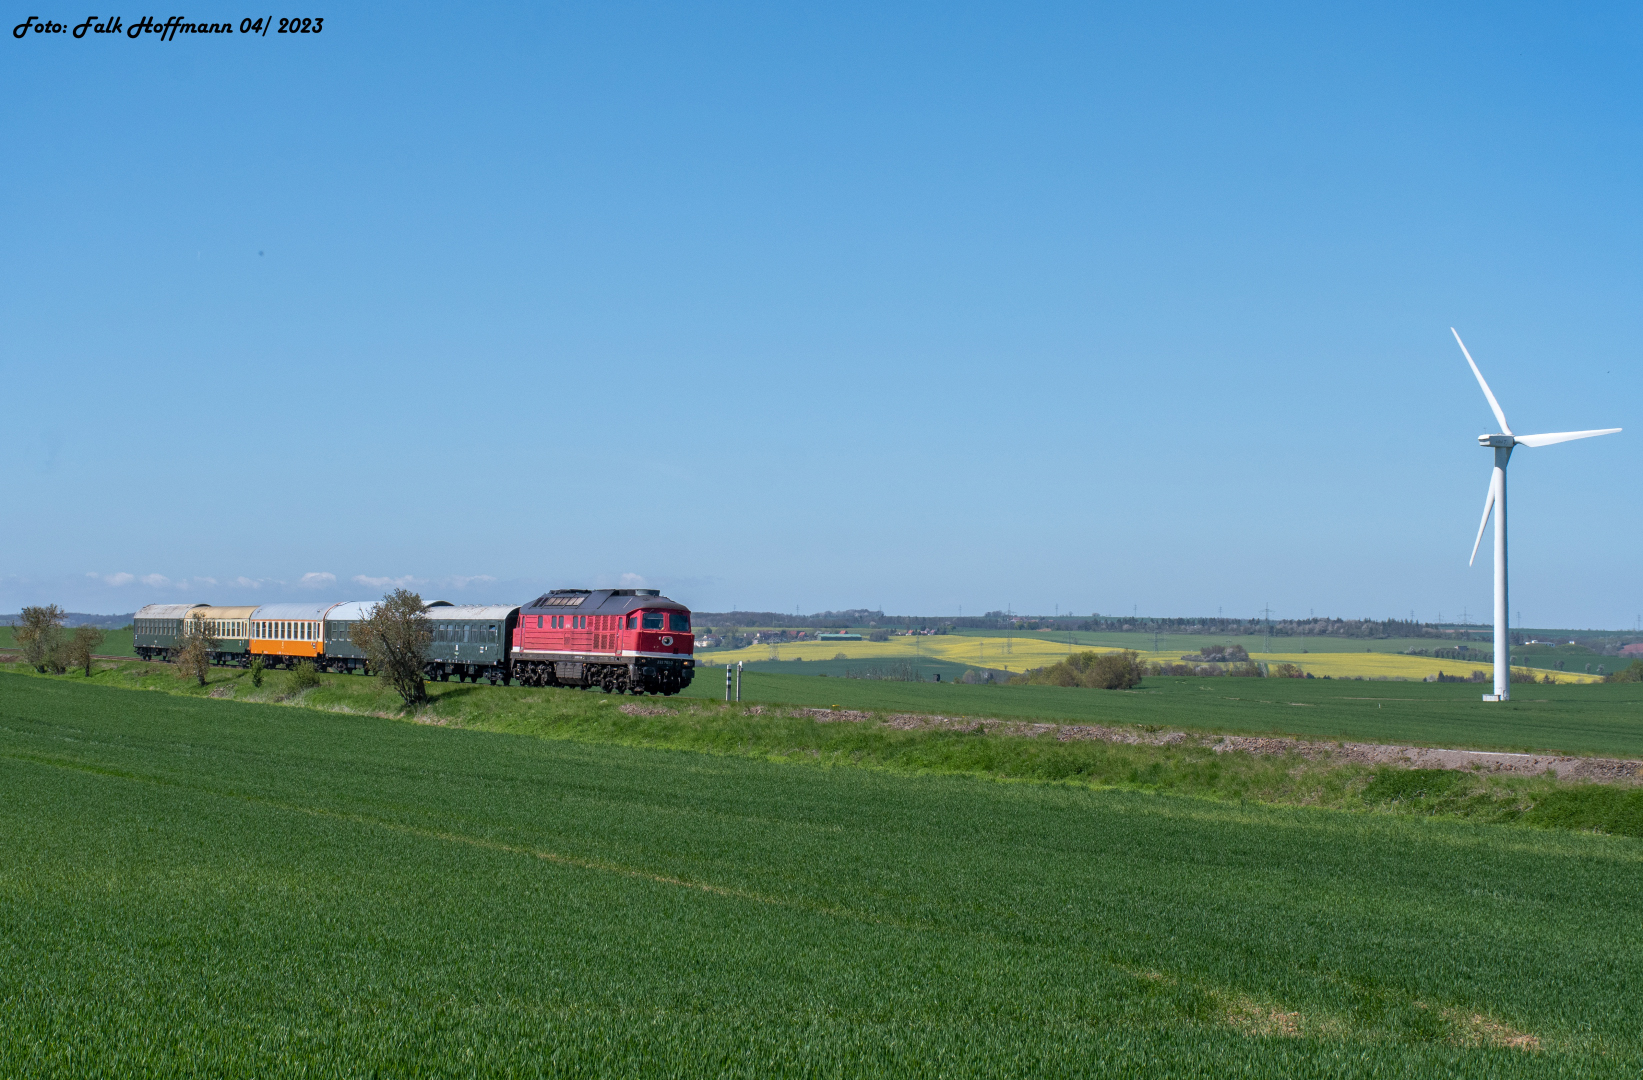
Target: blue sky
914,306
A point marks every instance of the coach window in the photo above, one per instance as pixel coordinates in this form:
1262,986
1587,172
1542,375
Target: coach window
651,620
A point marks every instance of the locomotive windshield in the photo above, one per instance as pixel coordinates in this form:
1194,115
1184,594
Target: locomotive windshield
679,622
650,620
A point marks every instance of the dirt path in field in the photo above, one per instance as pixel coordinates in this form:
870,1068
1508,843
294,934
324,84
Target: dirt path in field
1413,757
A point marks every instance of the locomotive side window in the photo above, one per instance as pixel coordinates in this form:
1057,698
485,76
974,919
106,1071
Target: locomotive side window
539,622
633,622
679,622
651,620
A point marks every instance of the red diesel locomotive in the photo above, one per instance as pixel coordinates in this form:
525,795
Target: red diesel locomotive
620,640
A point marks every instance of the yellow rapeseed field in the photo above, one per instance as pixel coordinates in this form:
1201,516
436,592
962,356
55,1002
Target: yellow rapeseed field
1019,654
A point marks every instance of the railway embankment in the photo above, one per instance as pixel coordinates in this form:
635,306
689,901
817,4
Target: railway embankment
1571,791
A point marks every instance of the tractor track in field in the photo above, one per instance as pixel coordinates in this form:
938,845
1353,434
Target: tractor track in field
1564,766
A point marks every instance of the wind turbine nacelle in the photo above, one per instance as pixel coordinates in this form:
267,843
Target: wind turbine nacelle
1497,440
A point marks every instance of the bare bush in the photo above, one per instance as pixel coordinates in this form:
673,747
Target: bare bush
85,641
192,653
395,636
41,637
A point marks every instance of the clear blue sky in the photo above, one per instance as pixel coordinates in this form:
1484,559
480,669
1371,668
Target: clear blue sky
779,306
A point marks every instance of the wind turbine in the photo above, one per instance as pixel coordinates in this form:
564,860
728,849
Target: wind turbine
1496,501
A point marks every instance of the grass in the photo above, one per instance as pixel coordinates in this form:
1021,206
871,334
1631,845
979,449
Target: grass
221,888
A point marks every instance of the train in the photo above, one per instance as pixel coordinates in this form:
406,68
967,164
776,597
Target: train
633,641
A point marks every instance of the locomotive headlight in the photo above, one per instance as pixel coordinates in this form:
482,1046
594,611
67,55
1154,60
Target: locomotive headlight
667,641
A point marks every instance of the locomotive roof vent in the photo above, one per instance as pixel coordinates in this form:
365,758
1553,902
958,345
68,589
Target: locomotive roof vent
636,592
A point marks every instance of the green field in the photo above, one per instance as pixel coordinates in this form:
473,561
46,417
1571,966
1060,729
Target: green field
1605,718
115,642
213,887
1572,657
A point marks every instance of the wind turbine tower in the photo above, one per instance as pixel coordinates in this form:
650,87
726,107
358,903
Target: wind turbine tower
1502,444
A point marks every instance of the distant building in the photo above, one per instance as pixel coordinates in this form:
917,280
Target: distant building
1632,650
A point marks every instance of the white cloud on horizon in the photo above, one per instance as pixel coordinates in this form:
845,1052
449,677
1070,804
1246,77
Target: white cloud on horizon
317,581
633,581
383,582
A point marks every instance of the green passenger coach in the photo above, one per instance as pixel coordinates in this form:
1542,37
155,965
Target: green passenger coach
157,627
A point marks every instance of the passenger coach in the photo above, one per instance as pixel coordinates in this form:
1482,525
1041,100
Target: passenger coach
284,634
634,641
230,628
156,628
470,641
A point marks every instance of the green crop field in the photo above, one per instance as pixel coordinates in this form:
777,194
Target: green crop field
115,642
224,888
1570,657
1602,718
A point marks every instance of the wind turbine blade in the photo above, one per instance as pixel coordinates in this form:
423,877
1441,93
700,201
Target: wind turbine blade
1488,505
1562,436
1488,393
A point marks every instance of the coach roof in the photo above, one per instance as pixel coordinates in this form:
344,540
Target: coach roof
352,611
291,611
224,612
166,611
471,612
